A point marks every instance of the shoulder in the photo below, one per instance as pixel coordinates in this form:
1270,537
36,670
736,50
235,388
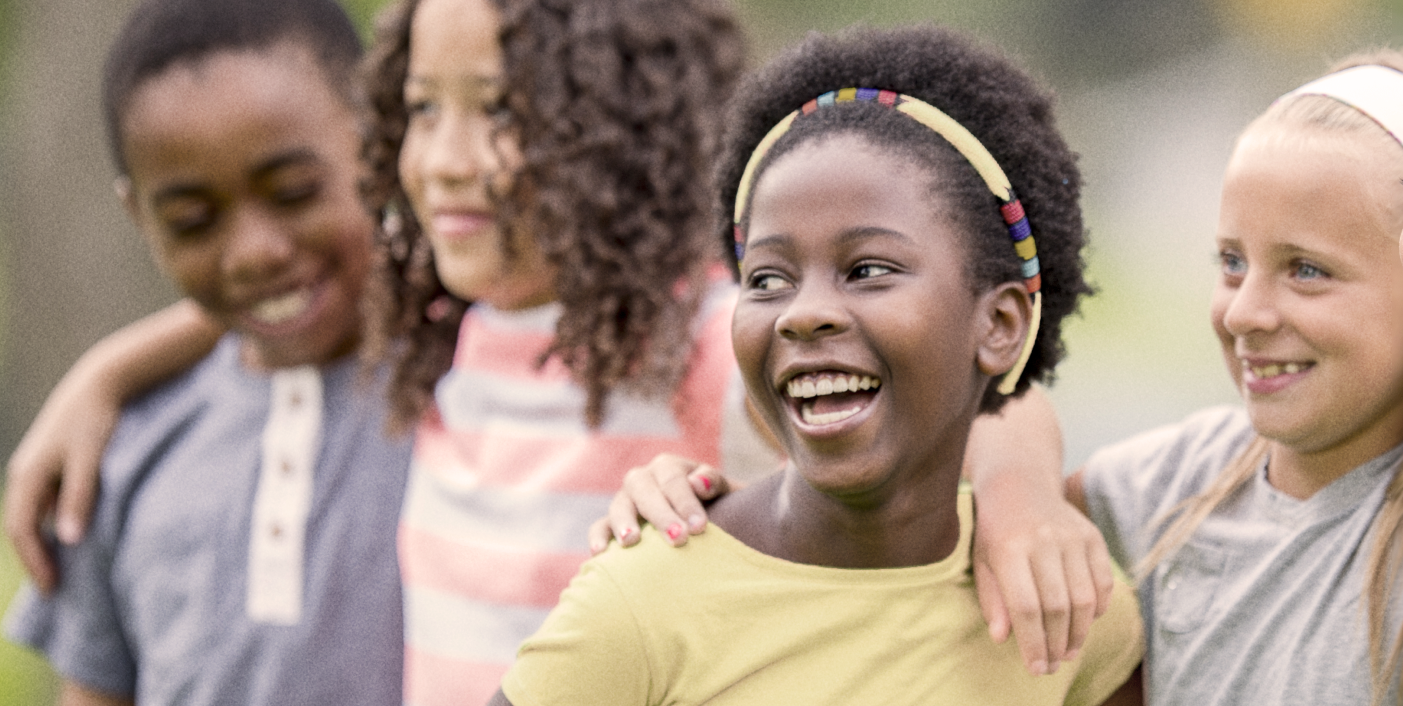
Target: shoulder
1185,455
1113,648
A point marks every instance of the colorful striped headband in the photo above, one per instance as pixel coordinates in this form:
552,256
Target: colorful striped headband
962,140
1376,91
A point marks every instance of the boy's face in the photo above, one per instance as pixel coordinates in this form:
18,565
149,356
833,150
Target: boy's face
1309,305
243,176
850,275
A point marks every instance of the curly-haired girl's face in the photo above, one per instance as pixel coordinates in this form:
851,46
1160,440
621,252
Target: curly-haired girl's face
453,155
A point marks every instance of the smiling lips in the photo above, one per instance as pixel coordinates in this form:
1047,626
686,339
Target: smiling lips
276,310
830,397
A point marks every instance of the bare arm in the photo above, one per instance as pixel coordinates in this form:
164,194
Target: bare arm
1041,568
73,694
55,467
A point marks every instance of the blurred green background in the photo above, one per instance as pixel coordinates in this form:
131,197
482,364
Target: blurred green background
1151,94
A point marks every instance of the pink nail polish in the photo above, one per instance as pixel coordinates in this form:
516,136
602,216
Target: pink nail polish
706,483
674,531
626,534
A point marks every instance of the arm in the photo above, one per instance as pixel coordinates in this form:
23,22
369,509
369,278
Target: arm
54,469
73,694
1041,568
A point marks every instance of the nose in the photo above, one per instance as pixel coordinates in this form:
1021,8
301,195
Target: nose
815,311
259,245
1250,307
461,149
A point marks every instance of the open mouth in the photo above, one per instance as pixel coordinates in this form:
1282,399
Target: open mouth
830,397
1269,371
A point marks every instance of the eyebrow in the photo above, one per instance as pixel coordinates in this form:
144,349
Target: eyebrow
281,160
847,237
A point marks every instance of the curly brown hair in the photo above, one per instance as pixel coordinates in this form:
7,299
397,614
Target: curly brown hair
978,87
616,105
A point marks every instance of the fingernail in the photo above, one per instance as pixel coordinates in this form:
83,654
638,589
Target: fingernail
1039,668
1072,655
1052,666
627,534
696,522
706,483
674,531
69,532
595,547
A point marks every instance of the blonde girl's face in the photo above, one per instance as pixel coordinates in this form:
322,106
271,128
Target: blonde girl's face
1309,304
453,154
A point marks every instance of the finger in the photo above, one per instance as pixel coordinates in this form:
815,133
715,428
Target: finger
1099,560
26,505
623,519
1020,596
77,494
1081,593
681,495
991,602
599,536
654,504
708,483
1056,606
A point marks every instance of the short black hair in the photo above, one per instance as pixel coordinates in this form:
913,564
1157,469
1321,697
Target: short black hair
983,91
161,33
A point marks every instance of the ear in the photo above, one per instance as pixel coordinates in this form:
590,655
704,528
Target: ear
1007,312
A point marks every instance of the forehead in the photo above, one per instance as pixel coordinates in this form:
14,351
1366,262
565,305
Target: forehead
235,107
1296,183
455,37
841,181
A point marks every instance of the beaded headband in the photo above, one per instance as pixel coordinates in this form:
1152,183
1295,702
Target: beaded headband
962,140
1376,91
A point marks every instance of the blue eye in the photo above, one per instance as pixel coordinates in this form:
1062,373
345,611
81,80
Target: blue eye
1305,270
1232,263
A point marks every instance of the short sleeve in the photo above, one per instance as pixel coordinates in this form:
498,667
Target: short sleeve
78,627
1112,651
590,651
1132,483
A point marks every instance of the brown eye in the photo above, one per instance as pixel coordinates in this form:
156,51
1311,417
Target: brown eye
769,282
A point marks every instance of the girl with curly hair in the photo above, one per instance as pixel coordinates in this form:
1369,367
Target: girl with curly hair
908,241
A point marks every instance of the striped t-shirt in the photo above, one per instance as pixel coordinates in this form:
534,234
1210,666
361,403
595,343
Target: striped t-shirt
507,478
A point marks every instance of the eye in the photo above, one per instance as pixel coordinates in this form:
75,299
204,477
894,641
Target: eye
187,218
1307,271
768,282
868,270
418,108
1232,264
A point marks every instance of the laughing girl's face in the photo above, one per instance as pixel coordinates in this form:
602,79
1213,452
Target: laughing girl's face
859,334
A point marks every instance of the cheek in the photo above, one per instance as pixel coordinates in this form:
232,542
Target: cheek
410,159
750,339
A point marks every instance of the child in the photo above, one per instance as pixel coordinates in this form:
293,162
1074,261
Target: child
242,546
883,307
542,162
1266,536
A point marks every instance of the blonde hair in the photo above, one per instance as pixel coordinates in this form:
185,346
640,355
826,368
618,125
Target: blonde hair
1386,555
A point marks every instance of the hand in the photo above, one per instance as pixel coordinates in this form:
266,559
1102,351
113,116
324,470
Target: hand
54,472
1042,570
664,492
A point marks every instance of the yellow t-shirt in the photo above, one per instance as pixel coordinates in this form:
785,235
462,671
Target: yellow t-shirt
720,623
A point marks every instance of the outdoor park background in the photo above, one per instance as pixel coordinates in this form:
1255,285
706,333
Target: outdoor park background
1151,94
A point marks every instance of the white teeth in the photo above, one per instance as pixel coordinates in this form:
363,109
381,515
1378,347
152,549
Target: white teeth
828,386
830,418
279,309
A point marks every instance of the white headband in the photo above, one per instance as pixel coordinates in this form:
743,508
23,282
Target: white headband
1376,91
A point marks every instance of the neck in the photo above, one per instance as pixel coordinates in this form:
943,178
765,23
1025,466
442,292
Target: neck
785,517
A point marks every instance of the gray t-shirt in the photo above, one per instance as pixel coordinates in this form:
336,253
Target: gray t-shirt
152,603
1265,603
